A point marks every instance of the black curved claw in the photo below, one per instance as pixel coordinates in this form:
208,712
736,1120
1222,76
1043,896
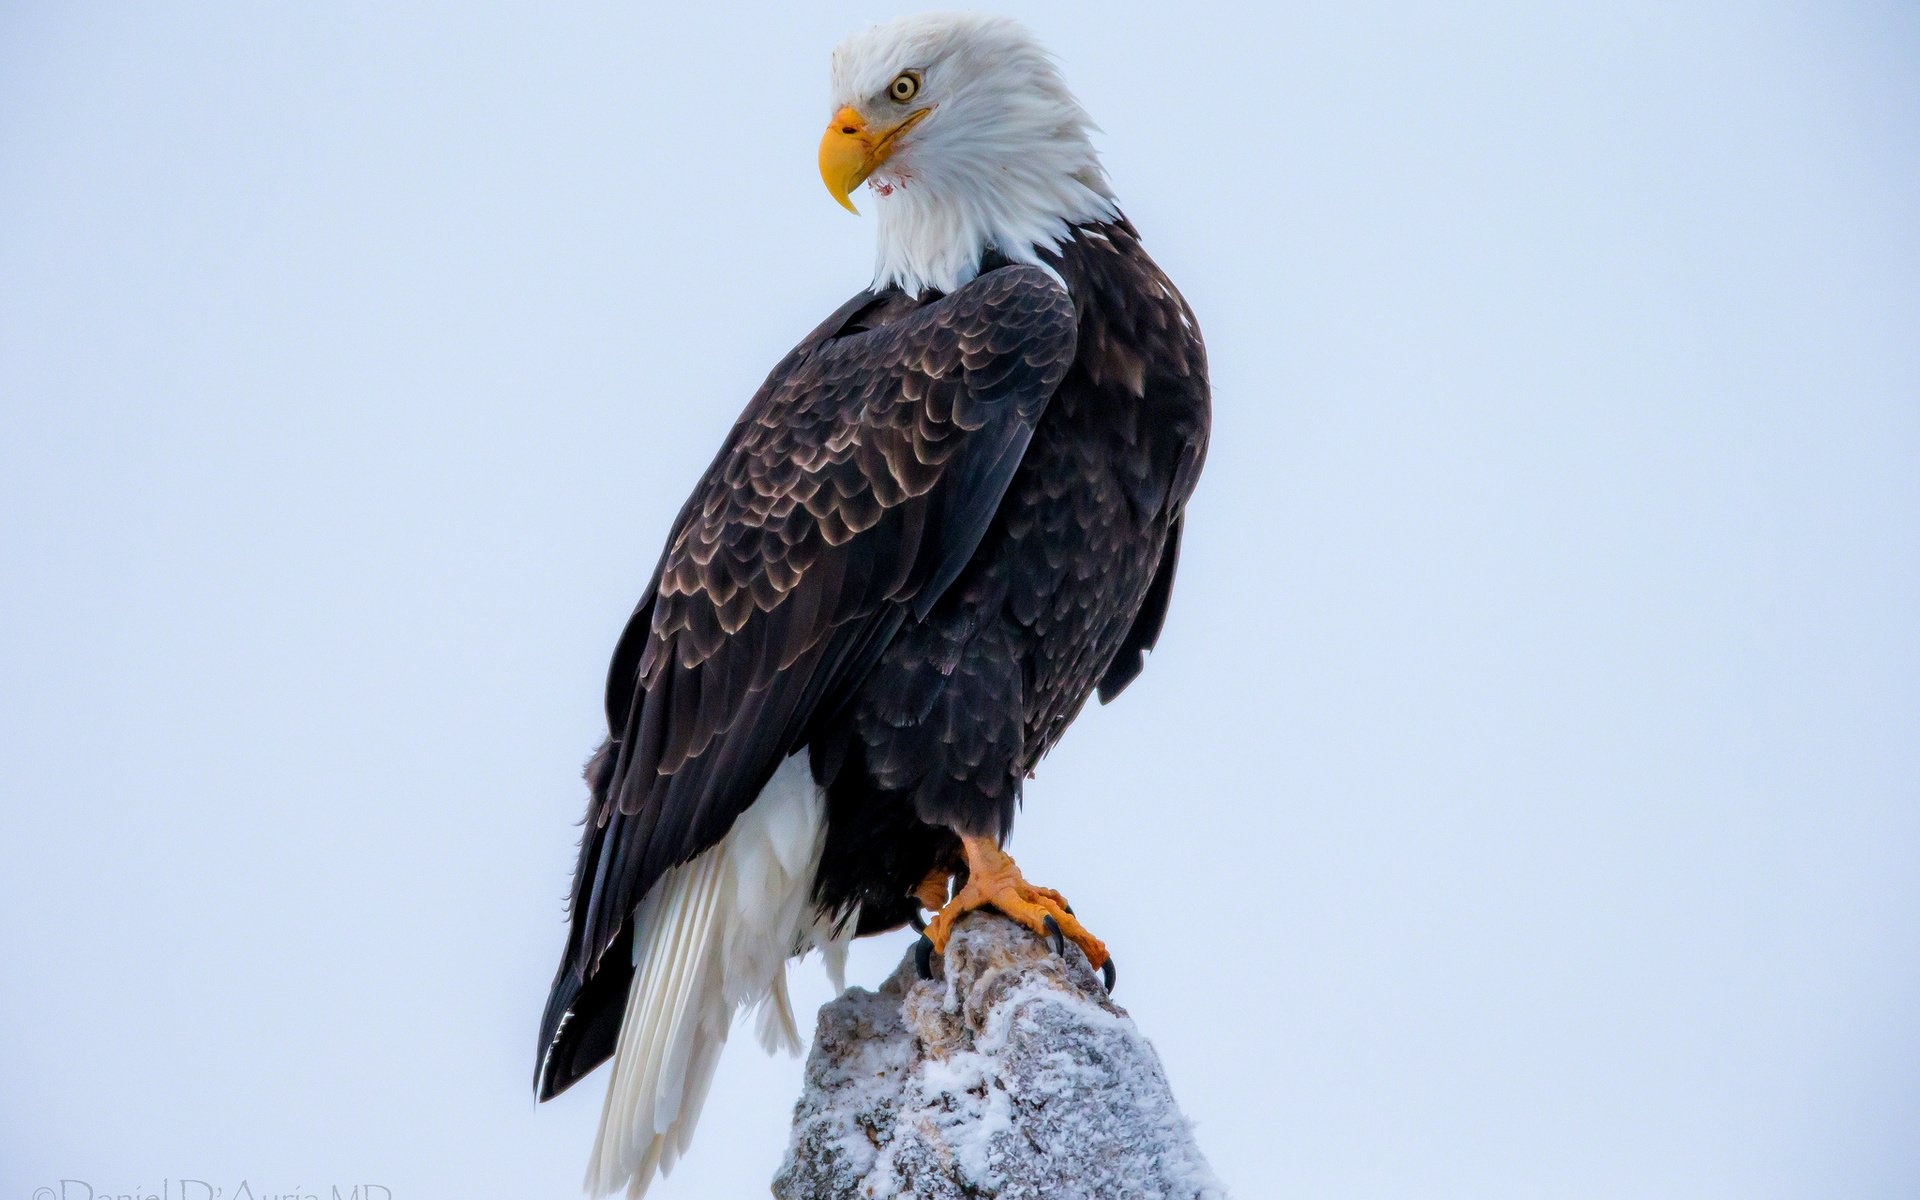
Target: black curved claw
918,922
1107,974
1053,932
923,957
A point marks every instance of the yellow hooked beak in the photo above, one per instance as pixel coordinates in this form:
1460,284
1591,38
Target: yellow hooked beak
849,151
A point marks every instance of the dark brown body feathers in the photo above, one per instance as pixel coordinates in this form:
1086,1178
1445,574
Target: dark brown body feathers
940,526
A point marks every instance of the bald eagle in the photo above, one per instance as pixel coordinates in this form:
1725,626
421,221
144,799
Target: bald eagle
949,516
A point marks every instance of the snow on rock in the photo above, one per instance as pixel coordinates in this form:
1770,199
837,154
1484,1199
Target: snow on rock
1013,1077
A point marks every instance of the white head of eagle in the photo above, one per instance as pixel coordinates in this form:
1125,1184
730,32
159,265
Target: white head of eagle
964,130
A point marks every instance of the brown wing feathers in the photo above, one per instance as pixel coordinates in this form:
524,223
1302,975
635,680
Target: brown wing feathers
853,490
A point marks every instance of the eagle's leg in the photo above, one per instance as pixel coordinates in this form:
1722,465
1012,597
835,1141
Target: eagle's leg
994,881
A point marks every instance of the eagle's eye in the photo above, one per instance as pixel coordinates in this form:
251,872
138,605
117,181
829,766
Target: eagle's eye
905,86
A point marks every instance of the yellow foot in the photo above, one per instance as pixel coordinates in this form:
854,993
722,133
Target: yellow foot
931,892
993,881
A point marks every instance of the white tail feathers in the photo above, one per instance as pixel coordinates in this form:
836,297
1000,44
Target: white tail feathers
712,936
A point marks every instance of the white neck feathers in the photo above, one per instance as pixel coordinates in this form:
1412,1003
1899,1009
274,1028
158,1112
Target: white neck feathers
936,226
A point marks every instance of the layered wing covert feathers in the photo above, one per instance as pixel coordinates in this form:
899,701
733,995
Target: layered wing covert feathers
852,491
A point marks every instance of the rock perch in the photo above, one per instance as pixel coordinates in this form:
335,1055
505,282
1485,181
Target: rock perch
1012,1076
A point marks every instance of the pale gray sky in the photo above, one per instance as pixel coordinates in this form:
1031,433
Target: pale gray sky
1522,802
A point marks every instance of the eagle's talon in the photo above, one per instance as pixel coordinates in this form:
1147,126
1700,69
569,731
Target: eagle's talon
923,957
918,922
993,881
1107,974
